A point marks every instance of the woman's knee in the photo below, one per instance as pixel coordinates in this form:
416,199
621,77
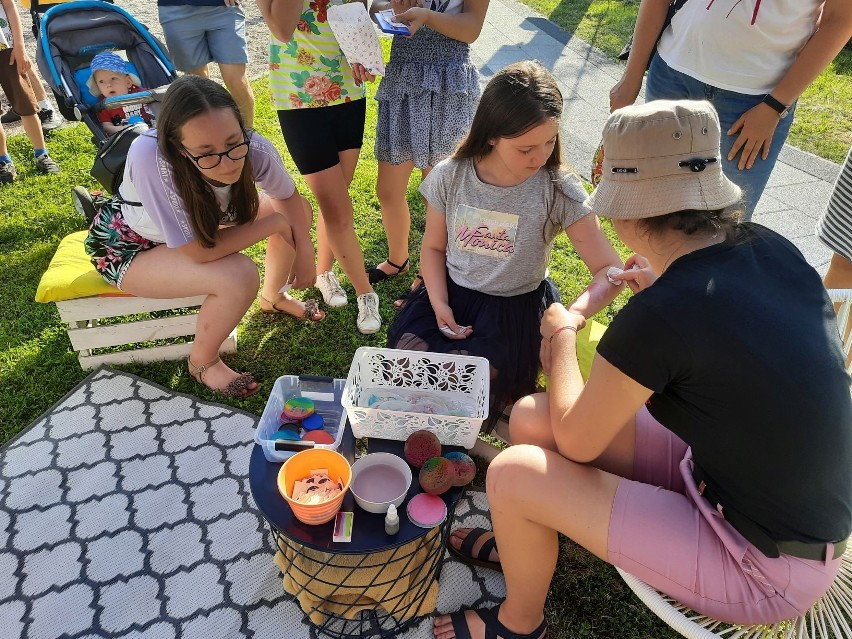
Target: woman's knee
530,420
509,471
237,273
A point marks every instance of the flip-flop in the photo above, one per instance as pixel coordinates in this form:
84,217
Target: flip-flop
493,627
376,275
465,552
400,303
312,311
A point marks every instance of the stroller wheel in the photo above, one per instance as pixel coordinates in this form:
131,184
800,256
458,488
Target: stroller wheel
84,204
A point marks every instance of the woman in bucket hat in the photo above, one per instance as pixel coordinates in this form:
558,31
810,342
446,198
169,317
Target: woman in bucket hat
709,453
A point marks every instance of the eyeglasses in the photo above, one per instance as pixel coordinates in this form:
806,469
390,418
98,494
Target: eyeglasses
212,160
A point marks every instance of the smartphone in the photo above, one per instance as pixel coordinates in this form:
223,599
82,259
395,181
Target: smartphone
389,25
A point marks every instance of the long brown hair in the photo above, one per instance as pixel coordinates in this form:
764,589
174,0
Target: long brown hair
187,97
518,98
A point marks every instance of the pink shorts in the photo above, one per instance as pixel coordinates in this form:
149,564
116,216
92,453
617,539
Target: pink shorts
666,534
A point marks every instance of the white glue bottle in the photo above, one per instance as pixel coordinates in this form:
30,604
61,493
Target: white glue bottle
391,521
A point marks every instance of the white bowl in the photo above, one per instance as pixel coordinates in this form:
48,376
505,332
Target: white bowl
382,491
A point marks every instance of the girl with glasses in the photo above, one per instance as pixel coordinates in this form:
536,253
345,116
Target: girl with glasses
186,208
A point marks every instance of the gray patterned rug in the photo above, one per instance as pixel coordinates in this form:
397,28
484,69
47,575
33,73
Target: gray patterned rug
125,511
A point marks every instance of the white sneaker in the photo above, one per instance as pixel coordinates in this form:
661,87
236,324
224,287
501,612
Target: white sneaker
332,292
369,320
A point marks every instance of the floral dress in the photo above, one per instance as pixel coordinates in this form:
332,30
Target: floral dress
310,70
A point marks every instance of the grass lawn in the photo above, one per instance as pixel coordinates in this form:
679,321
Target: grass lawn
37,366
823,123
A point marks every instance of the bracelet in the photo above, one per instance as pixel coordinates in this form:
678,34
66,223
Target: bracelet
567,327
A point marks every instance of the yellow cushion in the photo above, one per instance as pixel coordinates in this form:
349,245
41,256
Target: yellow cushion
587,344
71,274
43,3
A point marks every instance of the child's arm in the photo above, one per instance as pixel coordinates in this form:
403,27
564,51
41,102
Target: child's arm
464,26
281,16
19,53
433,267
598,255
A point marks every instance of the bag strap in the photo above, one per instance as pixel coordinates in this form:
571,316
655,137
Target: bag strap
118,199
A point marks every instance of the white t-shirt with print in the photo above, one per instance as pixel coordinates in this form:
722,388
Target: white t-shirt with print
499,237
740,45
6,39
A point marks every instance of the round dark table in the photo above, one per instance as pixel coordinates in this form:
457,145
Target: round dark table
368,538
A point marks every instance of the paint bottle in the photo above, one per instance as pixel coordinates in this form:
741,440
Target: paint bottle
391,521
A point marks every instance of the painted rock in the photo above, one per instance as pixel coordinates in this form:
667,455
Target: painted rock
464,466
298,408
420,446
437,475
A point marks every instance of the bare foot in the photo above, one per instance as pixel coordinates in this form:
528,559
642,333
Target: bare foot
458,536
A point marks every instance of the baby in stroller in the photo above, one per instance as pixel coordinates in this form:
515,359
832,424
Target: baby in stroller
111,76
71,38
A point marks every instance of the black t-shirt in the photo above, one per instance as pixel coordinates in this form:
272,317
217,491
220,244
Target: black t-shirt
739,343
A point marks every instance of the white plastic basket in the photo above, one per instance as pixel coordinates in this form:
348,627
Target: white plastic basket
326,394
458,379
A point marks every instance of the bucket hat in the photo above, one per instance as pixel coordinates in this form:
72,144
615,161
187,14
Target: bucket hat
109,61
661,157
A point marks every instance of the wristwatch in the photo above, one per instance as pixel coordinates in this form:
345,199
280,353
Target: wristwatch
782,109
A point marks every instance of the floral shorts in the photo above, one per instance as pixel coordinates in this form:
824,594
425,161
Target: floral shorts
112,244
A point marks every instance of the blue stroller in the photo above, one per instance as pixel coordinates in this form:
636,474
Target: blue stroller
68,37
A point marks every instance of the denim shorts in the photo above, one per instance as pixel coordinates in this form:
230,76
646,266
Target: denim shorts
199,35
665,83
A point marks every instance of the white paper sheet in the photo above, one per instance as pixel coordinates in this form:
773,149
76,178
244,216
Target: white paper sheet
357,38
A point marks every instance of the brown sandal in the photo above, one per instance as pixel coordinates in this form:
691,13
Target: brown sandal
239,388
312,310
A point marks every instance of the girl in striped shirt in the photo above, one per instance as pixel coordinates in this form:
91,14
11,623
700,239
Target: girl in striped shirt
321,107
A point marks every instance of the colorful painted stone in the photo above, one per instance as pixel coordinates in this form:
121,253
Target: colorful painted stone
298,408
464,466
437,475
420,446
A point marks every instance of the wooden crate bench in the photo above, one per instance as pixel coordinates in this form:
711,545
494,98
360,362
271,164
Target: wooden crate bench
85,331
83,299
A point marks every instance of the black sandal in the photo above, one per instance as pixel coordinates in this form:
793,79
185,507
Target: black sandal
493,627
376,275
465,553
